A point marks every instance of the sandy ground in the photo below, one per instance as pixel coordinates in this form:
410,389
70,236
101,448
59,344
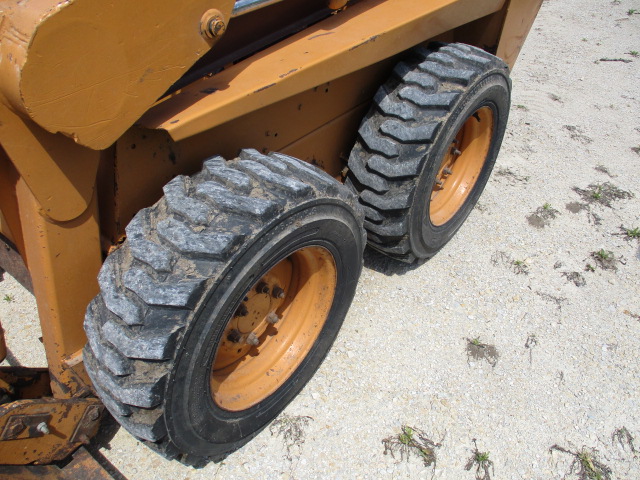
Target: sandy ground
557,325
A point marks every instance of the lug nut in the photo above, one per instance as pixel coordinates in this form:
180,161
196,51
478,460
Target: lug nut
252,339
234,336
447,171
439,183
277,292
242,311
456,151
272,318
43,428
212,24
262,287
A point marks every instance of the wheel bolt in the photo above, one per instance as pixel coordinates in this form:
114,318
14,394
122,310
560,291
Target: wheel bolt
447,171
252,339
277,292
272,318
242,311
456,151
234,336
262,287
440,183
43,428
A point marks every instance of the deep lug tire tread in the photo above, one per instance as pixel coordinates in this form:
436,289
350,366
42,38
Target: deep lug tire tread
397,134
152,284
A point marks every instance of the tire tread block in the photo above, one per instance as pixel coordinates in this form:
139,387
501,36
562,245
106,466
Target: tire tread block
203,244
376,142
152,292
178,201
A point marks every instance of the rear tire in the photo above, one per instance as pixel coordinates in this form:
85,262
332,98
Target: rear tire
414,191
182,346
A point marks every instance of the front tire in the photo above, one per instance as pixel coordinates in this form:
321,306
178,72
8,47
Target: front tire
223,301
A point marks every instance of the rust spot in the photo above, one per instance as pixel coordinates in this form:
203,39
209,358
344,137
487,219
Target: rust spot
321,35
264,88
368,40
288,73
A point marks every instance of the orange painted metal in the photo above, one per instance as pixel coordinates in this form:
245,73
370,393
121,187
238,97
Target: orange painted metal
83,466
283,313
89,69
9,218
60,173
349,41
67,424
63,259
318,126
518,21
461,166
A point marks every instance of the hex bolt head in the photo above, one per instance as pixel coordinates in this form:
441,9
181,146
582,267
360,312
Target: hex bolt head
43,428
212,24
447,171
272,318
456,152
262,287
277,292
252,339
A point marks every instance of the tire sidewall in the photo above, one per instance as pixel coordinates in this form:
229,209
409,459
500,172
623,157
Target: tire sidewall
195,423
491,90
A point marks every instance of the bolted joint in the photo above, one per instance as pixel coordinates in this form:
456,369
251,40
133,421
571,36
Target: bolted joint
277,292
262,287
234,336
272,318
43,428
212,24
252,339
447,171
242,310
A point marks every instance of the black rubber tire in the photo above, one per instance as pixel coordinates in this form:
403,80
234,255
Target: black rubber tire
187,263
402,140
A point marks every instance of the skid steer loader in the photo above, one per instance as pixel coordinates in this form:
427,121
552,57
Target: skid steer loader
187,189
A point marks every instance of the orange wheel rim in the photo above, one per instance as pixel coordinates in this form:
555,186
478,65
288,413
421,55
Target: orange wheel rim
461,166
273,329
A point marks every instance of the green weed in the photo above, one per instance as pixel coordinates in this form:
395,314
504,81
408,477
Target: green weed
8,298
586,464
482,463
632,232
410,442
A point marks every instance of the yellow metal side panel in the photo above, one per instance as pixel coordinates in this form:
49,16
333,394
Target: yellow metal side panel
520,17
148,159
360,36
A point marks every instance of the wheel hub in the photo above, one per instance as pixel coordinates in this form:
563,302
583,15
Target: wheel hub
273,329
461,166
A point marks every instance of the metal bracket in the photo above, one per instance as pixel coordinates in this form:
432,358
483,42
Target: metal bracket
87,425
25,426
